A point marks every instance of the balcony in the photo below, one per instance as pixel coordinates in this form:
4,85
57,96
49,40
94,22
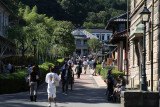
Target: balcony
82,45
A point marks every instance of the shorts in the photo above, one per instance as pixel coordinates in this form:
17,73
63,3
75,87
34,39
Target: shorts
51,92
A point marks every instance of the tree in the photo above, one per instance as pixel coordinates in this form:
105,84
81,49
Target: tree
64,37
94,44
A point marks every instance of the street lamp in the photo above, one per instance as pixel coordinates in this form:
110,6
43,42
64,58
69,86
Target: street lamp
145,15
34,43
102,50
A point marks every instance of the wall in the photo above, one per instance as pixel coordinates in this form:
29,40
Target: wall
135,19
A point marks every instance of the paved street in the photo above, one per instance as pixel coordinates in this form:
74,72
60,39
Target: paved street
84,94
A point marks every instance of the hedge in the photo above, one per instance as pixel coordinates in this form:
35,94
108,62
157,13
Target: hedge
104,71
15,82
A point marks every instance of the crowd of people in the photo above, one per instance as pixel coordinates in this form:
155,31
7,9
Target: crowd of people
58,74
65,76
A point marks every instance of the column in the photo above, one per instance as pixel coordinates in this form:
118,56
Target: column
81,52
121,56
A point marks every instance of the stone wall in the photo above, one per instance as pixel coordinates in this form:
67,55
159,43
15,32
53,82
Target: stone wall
133,59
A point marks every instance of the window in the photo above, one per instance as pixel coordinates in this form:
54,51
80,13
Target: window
85,42
98,36
108,36
78,42
121,27
103,36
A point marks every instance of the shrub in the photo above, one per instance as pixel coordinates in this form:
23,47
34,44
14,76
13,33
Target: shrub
104,71
15,82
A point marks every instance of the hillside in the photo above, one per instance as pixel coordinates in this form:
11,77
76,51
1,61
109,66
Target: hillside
89,13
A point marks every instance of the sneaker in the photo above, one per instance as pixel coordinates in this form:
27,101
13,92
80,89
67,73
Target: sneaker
49,105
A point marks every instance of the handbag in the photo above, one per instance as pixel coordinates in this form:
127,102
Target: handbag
55,81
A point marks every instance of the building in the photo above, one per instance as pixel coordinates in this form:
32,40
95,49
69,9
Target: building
81,38
119,27
104,36
7,47
101,34
136,43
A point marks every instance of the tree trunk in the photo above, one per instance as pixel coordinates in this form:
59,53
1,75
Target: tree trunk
23,52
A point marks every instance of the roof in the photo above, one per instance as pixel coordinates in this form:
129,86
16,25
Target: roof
81,33
100,31
118,36
6,7
118,19
139,29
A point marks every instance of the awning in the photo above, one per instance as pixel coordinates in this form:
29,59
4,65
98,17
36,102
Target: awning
137,32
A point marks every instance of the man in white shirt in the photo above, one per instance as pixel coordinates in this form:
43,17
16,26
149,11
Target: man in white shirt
85,64
50,77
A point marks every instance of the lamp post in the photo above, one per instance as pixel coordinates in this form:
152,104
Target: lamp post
145,15
102,51
34,43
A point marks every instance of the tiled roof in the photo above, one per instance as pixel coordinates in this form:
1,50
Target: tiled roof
83,34
118,36
121,18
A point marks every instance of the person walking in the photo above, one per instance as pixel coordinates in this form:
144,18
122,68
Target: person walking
94,68
33,77
85,64
109,81
65,79
103,64
71,77
78,70
57,68
51,89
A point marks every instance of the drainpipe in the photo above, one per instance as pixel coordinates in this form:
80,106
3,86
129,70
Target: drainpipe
152,46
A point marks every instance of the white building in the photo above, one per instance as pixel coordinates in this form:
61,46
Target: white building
102,34
81,38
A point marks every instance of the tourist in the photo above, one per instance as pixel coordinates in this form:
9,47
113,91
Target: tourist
33,77
94,68
71,77
120,87
50,79
78,70
9,67
85,64
109,81
57,68
65,79
103,64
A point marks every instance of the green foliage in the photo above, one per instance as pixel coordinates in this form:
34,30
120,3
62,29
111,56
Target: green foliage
15,60
76,11
104,72
94,44
15,82
90,25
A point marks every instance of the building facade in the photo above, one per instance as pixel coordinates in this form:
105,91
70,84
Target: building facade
136,43
102,34
7,47
119,27
81,38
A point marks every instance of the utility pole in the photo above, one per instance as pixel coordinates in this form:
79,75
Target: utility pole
126,56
